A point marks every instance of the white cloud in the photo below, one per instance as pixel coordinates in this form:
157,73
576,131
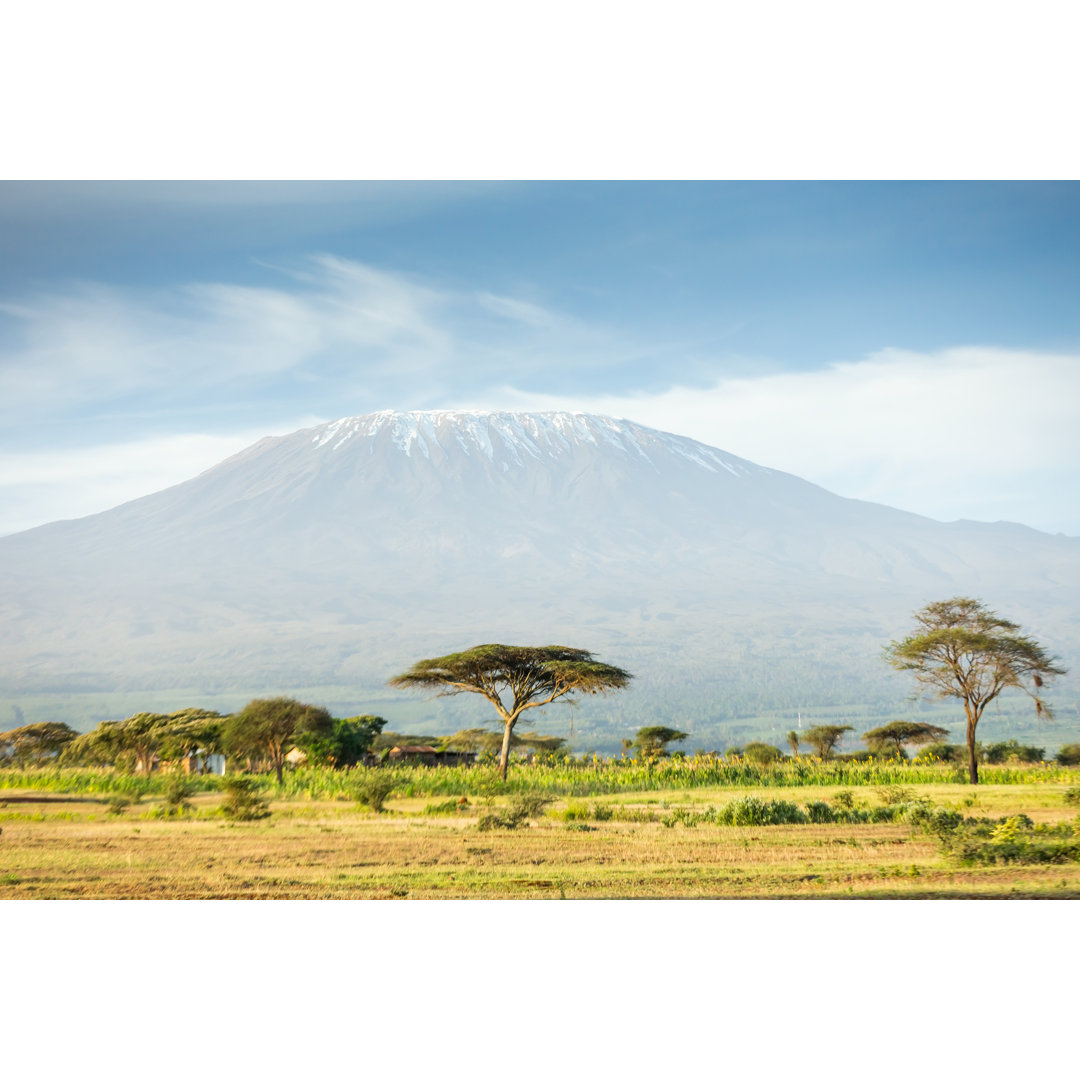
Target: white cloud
983,433
39,487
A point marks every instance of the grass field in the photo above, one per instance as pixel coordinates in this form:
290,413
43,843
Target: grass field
631,844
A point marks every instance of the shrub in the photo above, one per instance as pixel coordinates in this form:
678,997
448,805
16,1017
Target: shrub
448,808
118,804
177,791
1071,795
949,752
890,796
242,802
1068,754
601,812
759,753
374,790
575,812
820,813
844,800
521,807
749,810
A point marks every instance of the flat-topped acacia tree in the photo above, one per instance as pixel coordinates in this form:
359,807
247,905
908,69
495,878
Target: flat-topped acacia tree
515,678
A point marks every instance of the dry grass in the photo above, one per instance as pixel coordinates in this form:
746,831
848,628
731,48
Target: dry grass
59,848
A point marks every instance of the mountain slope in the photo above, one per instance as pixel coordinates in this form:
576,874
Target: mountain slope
342,553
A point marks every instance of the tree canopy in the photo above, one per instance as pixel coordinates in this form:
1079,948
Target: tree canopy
824,738
653,741
514,678
961,648
35,744
343,746
269,727
893,737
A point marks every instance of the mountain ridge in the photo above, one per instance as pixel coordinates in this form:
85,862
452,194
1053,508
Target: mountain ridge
340,553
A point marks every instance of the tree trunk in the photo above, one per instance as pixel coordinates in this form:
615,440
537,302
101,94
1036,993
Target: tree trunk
504,757
279,768
973,764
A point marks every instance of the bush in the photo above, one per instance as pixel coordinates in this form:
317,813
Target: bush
844,800
942,752
602,813
891,796
374,790
1071,795
759,753
521,807
449,808
820,813
575,812
118,804
177,791
750,810
1068,754
1001,752
242,802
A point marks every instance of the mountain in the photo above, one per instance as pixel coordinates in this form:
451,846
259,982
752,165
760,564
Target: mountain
338,555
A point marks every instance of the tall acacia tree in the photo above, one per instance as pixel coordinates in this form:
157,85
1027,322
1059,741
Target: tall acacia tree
514,678
962,649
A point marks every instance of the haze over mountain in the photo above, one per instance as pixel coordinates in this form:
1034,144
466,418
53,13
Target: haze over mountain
338,555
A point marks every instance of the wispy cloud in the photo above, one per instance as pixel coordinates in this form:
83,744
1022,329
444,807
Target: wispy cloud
333,331
43,486
966,432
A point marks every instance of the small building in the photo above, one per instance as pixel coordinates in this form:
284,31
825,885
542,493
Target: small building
429,755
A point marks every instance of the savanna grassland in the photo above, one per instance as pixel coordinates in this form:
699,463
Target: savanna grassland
583,830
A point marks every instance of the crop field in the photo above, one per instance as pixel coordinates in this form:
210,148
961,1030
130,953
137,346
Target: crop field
576,833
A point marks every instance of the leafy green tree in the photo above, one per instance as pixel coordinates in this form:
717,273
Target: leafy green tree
893,737
794,739
35,744
192,732
759,753
269,727
824,738
1069,754
133,743
653,741
345,745
962,649
515,678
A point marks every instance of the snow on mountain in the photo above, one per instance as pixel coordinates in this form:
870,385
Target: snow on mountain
341,553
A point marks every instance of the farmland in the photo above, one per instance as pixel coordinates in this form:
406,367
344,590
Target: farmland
584,829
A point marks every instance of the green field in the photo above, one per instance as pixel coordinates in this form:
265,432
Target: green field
610,830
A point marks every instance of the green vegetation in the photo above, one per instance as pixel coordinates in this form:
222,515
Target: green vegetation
242,802
268,728
530,676
344,745
824,738
962,649
652,742
900,733
34,744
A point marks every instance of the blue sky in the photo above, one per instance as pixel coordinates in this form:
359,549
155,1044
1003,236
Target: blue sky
914,343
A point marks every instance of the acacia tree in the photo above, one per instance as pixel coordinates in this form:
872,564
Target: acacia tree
132,743
514,678
653,741
35,744
962,649
897,734
824,738
270,726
